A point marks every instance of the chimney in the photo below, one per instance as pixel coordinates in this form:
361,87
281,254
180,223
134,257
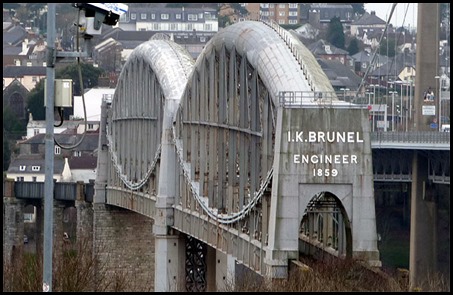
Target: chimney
373,12
25,45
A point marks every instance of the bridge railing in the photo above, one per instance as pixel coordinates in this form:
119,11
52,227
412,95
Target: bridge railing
412,137
313,98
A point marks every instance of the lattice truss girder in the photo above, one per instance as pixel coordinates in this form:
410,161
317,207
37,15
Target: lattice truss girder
224,134
392,164
135,127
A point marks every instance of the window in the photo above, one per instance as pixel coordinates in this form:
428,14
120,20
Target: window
293,13
33,178
153,16
292,5
35,131
281,5
189,27
35,168
281,21
90,126
264,5
143,16
133,16
34,79
192,17
208,27
22,167
200,15
57,150
164,16
281,13
20,178
77,153
292,21
178,16
271,13
155,27
271,5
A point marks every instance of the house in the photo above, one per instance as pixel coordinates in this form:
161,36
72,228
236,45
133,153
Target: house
320,14
281,13
306,32
32,168
27,76
107,55
400,67
14,35
363,59
325,50
340,76
157,18
81,157
369,23
35,127
93,101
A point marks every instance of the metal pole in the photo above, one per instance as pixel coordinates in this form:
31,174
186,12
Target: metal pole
393,110
374,103
410,99
440,103
49,151
407,106
401,108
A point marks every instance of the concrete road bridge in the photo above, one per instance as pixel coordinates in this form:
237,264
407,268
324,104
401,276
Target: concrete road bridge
244,157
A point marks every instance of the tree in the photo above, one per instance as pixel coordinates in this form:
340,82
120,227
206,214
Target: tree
224,21
387,47
6,152
90,76
12,126
358,8
242,11
335,33
36,97
353,47
35,101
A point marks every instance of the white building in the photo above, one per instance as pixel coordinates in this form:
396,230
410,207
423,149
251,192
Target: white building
180,20
93,101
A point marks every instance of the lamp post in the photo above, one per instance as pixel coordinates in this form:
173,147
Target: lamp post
440,102
393,109
374,100
410,100
369,97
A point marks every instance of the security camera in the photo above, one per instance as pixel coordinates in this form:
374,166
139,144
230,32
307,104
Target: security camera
98,13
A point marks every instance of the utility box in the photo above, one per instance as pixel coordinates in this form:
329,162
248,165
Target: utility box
63,93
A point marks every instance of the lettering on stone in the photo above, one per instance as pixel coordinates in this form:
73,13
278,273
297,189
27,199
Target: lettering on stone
330,137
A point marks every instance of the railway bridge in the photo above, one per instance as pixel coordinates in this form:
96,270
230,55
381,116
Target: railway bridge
242,158
233,157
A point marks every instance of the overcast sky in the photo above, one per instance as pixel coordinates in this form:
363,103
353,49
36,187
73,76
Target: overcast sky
383,11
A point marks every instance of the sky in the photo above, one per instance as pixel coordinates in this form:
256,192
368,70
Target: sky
383,11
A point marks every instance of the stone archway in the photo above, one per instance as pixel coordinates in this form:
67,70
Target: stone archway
325,226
